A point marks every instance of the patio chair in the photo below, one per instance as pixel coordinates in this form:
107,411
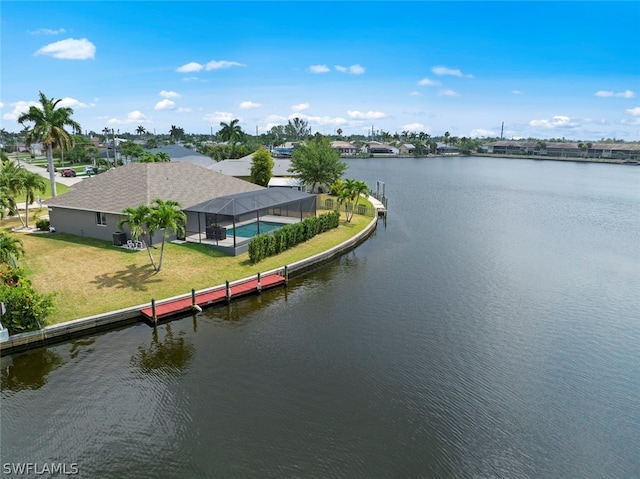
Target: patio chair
139,245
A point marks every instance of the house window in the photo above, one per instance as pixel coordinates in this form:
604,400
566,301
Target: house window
101,219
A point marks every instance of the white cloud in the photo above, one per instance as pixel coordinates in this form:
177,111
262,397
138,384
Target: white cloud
219,65
415,93
516,92
448,93
132,117
634,111
319,120
190,68
249,104
219,116
319,69
67,102
169,94
370,115
300,107
353,69
441,71
428,82
621,94
165,104
558,121
481,132
69,49
18,109
413,127
1,104
47,31
183,109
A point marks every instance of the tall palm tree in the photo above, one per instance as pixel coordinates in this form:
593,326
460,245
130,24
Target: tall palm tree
49,123
176,132
167,216
31,183
232,133
139,221
141,130
10,249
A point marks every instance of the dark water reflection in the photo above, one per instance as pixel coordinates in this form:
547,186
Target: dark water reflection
490,330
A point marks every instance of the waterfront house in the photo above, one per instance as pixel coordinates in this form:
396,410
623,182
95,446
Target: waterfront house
344,148
93,207
377,148
444,149
406,148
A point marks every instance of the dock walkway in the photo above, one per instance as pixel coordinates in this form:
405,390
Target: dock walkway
173,306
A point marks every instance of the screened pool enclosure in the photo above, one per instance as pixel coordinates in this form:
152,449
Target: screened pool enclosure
229,222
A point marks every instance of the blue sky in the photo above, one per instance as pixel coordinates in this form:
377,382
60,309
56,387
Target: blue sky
545,69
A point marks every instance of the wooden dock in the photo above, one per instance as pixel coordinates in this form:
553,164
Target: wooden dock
379,206
159,311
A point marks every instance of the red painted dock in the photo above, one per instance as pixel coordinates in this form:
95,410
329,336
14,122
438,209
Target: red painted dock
181,305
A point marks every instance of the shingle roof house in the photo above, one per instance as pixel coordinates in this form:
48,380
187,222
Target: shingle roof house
94,206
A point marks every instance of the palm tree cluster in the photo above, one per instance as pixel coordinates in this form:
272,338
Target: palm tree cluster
16,182
350,194
144,221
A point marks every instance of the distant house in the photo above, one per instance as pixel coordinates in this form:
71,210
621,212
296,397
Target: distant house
344,148
180,153
621,151
377,148
241,167
406,148
285,150
36,149
291,183
444,149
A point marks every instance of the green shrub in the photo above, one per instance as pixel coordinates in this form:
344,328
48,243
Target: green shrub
43,224
26,309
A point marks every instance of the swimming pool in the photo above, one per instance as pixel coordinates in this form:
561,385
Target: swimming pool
251,229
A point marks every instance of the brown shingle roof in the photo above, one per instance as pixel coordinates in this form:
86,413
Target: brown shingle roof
140,183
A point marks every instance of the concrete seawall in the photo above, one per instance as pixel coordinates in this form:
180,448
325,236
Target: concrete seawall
114,319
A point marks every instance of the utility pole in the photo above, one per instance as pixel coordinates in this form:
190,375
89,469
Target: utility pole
502,131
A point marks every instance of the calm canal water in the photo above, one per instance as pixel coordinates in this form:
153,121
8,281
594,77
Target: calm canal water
492,329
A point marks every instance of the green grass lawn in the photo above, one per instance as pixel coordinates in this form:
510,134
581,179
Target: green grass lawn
91,276
60,189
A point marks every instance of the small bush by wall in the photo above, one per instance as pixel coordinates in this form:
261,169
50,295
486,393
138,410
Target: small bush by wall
43,224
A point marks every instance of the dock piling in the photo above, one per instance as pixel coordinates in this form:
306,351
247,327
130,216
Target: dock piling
259,286
228,291
154,316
